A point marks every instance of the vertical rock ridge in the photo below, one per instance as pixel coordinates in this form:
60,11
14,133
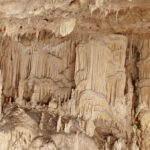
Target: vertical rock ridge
142,112
99,97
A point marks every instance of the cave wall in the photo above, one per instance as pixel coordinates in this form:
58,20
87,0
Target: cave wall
74,75
94,79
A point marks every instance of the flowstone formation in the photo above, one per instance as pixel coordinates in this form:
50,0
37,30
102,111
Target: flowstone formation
74,75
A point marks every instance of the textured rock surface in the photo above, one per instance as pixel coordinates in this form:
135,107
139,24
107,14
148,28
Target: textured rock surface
74,74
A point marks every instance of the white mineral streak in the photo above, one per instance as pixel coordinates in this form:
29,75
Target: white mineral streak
67,26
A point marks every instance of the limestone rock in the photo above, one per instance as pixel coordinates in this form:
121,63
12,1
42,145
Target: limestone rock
74,74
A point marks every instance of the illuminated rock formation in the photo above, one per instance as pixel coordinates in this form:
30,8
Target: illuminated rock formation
74,74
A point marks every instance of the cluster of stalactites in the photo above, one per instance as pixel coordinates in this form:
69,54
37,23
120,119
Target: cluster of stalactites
37,71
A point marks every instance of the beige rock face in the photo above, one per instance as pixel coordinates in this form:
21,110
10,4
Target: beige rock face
74,75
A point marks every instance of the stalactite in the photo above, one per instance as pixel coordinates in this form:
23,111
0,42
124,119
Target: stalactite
40,72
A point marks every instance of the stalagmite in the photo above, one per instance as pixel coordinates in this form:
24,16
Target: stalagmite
59,124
